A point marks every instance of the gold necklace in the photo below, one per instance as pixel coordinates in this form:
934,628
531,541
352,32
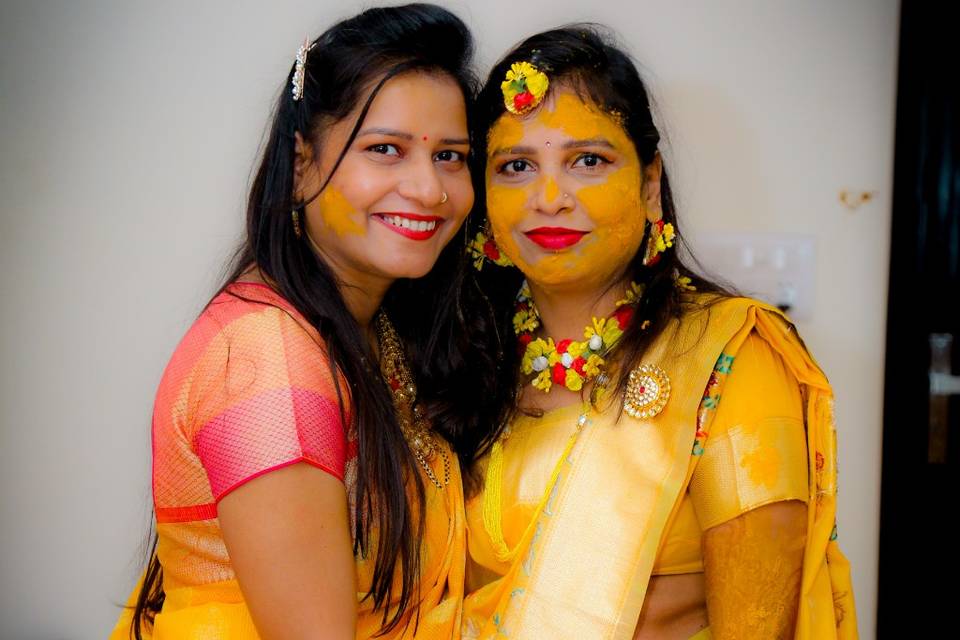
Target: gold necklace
413,424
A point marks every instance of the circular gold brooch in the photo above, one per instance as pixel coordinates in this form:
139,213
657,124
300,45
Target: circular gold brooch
648,389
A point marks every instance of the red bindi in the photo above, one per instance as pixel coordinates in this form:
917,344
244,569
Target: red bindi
424,138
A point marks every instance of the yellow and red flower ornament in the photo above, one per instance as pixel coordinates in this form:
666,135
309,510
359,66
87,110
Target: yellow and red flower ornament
571,363
661,238
523,88
484,248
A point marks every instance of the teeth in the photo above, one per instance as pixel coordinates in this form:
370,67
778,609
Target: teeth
413,225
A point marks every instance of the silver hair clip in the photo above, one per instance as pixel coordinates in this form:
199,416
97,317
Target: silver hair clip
298,70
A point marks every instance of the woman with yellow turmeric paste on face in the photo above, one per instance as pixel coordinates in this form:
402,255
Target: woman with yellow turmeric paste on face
665,464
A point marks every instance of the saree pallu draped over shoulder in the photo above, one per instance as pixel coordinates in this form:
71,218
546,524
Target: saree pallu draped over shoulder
583,568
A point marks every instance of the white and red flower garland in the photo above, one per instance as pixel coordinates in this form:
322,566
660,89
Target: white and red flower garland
570,363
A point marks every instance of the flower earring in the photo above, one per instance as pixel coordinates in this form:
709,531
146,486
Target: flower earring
661,239
483,247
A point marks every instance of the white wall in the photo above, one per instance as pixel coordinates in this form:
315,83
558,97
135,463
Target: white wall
127,135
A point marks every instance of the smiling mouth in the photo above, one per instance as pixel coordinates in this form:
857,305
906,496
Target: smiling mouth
555,238
410,225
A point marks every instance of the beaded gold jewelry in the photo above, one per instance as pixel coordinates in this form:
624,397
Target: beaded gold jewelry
413,424
295,217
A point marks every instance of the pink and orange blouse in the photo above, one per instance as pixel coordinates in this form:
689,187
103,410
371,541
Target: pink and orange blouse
250,390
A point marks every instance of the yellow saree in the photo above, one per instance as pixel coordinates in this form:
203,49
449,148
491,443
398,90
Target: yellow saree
217,611
582,560
217,426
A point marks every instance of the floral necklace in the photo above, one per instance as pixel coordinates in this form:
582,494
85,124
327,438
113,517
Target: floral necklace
413,424
570,363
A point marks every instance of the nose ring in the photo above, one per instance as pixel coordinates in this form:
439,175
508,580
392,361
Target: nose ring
444,198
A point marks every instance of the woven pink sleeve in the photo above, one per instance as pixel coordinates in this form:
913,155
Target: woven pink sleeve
274,406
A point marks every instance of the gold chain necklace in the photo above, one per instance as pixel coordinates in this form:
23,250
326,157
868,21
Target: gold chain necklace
413,424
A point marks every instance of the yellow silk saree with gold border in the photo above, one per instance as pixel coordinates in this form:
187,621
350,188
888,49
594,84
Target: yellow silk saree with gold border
583,558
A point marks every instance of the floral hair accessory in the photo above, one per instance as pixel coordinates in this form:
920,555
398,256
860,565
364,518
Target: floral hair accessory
298,69
523,88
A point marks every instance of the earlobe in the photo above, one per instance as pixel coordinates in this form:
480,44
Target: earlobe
302,162
301,154
651,188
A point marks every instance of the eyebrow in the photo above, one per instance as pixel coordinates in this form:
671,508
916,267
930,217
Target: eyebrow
513,151
403,135
571,144
592,142
386,132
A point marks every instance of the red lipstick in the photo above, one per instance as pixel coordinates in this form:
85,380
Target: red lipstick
555,238
411,225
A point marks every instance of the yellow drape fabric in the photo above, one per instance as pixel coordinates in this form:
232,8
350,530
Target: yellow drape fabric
757,454
630,501
217,611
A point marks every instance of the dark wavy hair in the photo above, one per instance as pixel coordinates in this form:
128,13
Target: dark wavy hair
585,58
435,315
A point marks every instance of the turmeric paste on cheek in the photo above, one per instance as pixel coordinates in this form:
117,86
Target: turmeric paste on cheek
338,214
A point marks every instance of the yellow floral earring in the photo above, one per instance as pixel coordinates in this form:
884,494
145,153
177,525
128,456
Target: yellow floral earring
661,239
483,247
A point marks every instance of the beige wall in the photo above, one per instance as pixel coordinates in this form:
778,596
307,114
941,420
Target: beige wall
127,135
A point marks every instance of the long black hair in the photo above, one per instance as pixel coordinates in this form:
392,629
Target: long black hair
434,315
585,58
